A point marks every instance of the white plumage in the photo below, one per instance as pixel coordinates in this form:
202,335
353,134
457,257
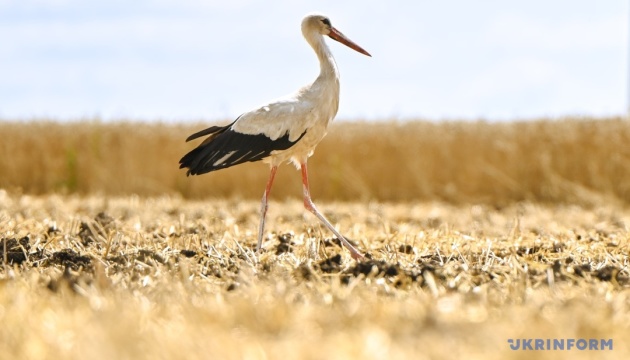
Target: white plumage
287,129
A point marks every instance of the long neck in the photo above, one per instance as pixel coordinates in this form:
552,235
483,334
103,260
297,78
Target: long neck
326,86
327,65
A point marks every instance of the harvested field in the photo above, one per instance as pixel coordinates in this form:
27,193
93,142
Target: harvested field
131,277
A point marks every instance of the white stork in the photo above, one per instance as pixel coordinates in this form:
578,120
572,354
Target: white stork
287,129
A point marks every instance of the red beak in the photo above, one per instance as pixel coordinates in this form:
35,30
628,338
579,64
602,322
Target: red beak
338,36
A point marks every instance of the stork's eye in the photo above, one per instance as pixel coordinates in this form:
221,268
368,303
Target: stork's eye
326,22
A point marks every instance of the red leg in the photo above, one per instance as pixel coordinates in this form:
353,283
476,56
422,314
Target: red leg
263,207
308,204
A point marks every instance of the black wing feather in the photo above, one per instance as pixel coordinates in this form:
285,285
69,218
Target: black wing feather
226,147
210,130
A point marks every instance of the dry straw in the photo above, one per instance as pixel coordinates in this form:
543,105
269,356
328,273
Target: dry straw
168,278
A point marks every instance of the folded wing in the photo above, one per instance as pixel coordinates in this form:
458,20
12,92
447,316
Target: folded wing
253,136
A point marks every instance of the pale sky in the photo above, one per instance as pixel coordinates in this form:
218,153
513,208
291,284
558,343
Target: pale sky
181,60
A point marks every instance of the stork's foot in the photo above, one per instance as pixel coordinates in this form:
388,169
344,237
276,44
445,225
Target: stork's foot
356,255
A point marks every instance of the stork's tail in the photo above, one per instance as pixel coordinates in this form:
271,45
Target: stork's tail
191,159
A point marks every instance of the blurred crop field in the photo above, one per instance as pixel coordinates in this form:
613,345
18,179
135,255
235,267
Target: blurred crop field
475,234
572,160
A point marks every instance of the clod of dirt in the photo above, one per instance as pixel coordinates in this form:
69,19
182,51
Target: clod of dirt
581,270
285,244
557,267
233,286
405,249
331,265
188,253
69,258
370,268
607,273
304,271
373,267
102,222
52,229
16,250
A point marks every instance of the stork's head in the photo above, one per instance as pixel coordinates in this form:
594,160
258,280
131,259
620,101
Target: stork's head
320,24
